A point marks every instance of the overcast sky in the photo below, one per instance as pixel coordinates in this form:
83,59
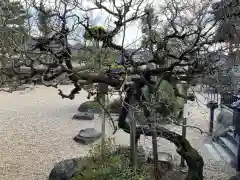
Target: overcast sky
98,17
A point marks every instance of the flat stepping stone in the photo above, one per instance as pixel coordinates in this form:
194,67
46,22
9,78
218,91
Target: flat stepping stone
65,169
84,116
87,136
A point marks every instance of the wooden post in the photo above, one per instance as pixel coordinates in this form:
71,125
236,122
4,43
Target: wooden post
103,89
103,121
155,150
184,115
152,124
133,144
184,133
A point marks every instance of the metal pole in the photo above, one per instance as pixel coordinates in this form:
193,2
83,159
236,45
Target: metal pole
211,120
212,105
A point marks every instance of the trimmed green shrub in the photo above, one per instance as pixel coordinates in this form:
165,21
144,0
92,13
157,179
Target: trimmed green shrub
104,164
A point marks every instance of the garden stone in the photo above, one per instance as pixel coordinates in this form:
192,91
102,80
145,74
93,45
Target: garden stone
90,106
225,117
84,116
141,155
115,106
223,123
126,151
165,159
21,88
65,170
87,136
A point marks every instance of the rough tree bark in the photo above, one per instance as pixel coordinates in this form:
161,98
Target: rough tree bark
193,159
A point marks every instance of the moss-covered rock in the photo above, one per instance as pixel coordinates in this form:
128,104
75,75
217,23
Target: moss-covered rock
107,162
115,106
65,169
90,106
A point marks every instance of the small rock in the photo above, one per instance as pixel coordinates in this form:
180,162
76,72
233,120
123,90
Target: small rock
115,106
65,170
87,136
21,88
84,116
225,117
165,159
224,120
126,151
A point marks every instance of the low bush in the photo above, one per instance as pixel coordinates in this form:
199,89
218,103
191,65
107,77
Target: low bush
105,164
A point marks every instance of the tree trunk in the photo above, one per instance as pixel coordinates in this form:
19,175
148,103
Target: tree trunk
193,159
102,98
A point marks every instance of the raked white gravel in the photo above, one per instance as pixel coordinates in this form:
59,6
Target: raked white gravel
36,131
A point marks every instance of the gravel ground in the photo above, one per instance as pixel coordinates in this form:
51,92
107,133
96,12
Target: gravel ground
36,131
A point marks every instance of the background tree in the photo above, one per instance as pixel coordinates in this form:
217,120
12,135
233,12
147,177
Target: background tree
97,31
13,31
147,33
226,13
44,20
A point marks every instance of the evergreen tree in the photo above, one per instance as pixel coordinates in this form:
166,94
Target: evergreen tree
149,35
12,27
44,20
